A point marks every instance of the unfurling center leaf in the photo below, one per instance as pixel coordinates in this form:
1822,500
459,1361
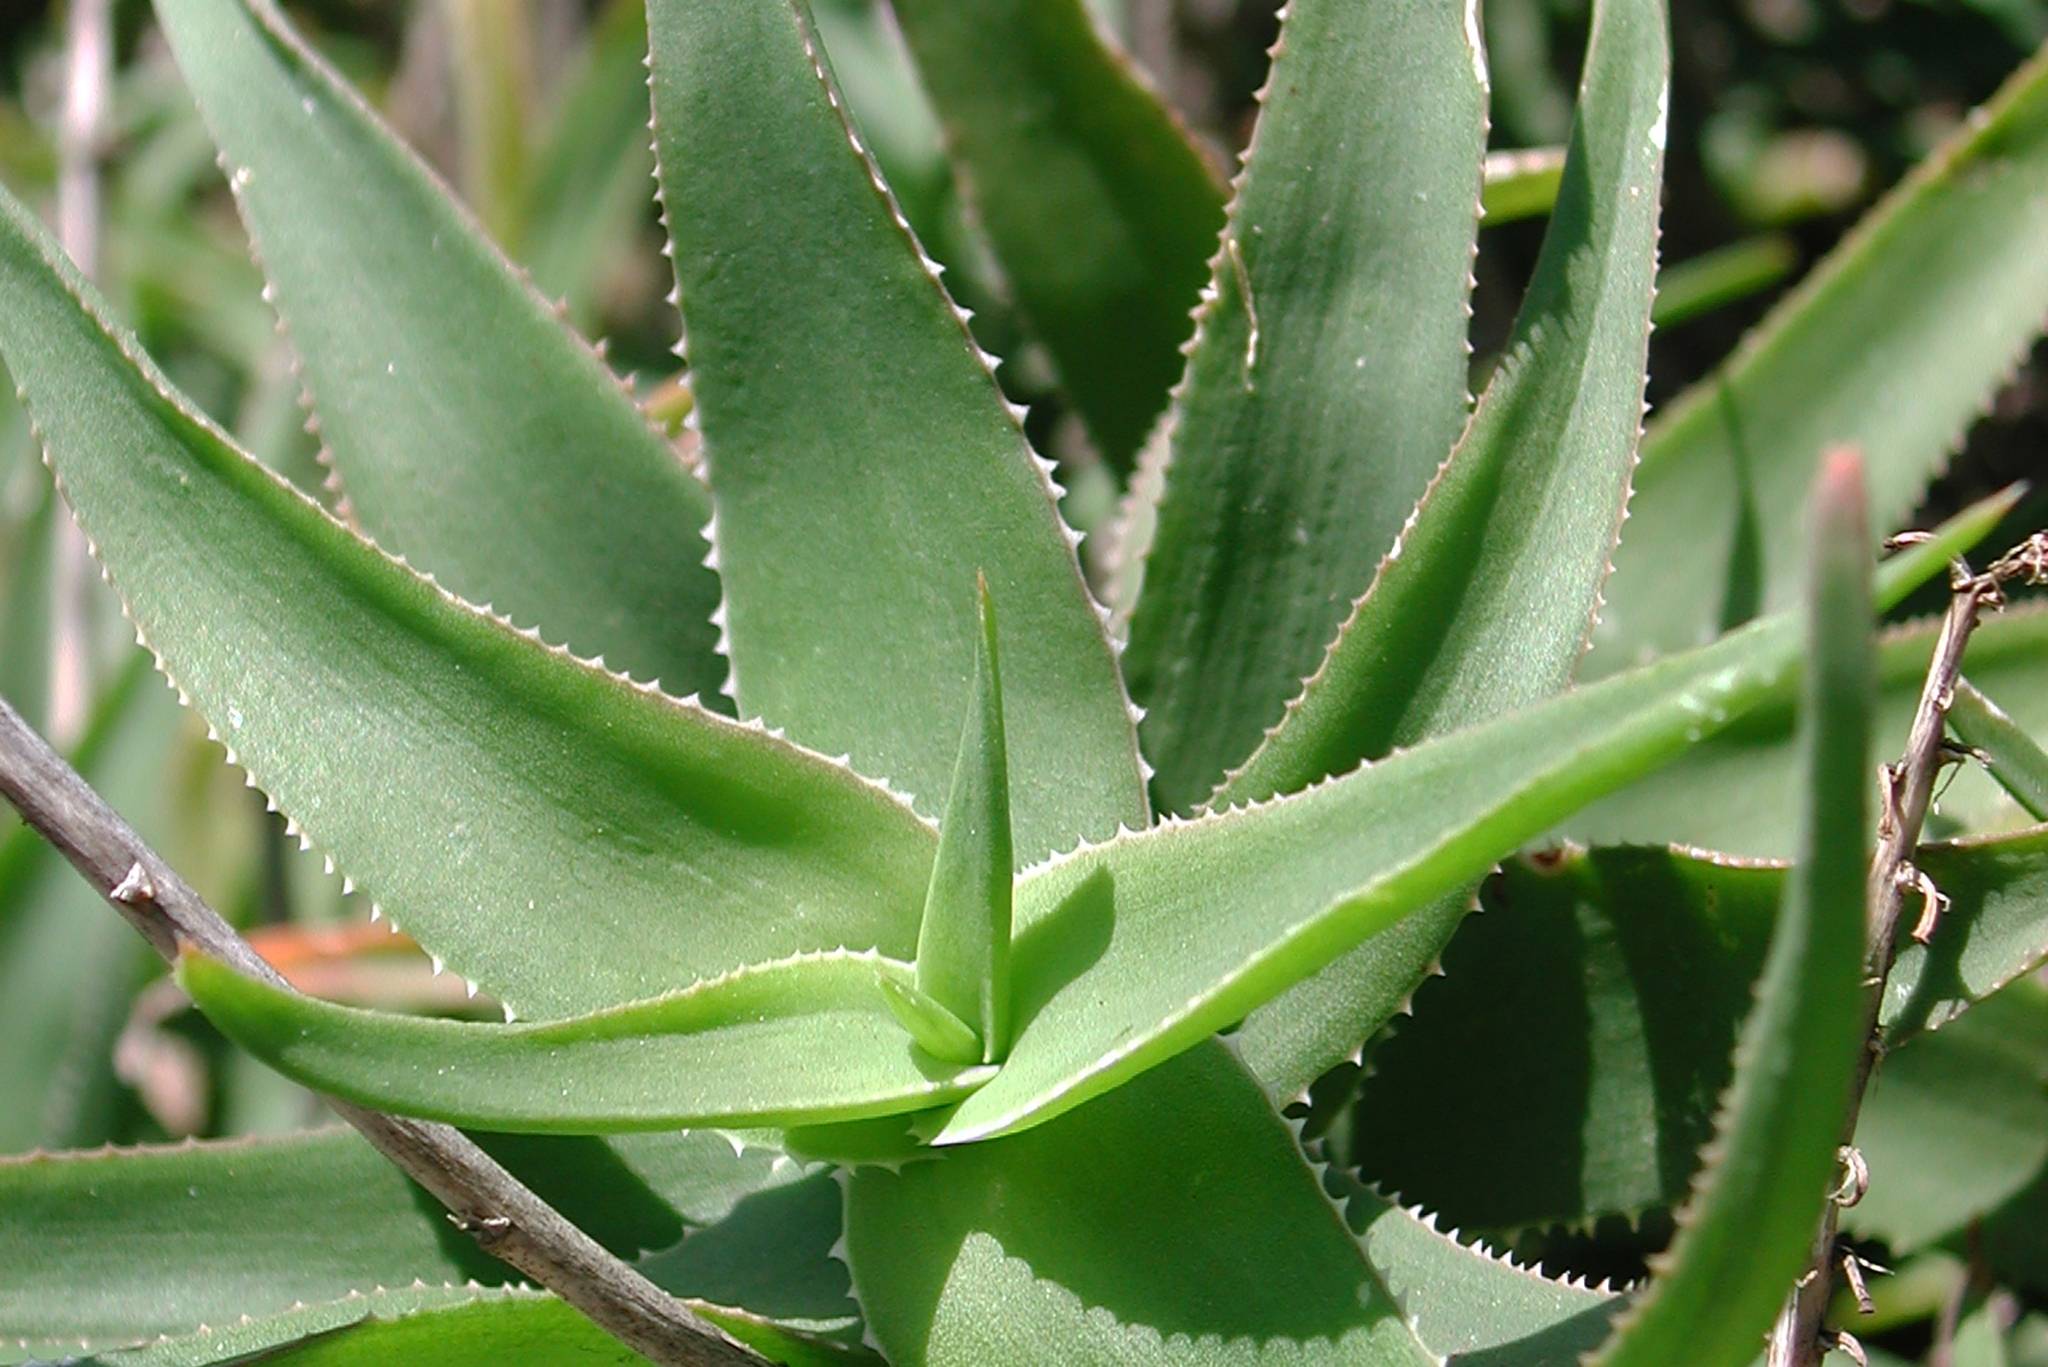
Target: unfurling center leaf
960,1009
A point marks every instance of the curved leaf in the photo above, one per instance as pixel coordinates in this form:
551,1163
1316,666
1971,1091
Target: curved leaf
1736,794
568,839
1100,207
1747,1231
1174,1220
1131,951
1893,345
475,433
117,1246
1327,375
802,1041
863,462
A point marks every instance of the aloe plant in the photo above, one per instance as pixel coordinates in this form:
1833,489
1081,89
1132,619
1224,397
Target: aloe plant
910,947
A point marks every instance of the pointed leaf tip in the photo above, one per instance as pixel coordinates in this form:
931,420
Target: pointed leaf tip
963,947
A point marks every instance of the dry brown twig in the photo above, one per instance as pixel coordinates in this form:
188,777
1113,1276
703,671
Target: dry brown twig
484,1200
1906,788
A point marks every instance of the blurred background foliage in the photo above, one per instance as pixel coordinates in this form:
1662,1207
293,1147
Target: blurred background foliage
1789,118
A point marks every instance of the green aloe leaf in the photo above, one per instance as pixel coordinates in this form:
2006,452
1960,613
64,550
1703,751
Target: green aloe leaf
1747,1230
1735,792
1114,976
963,947
1173,1220
2009,754
568,839
475,433
863,461
802,1041
1326,379
1474,1305
1485,605
1100,207
1893,344
449,1326
1589,1015
114,1247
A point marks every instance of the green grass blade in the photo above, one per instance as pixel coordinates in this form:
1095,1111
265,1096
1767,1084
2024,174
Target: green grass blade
1893,344
119,1245
863,460
963,944
1101,209
1748,1228
1174,1220
475,433
1326,379
566,838
802,1041
2010,755
1131,951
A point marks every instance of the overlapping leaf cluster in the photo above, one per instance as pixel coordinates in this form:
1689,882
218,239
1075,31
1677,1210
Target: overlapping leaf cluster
1009,1020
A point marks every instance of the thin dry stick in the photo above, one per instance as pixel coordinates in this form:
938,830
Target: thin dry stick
1798,1339
483,1199
88,76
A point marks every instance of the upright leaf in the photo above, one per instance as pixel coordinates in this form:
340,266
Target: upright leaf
1893,345
1173,1220
1750,1224
862,459
963,947
566,838
1131,951
1101,209
474,432
1736,793
1327,376
1485,603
